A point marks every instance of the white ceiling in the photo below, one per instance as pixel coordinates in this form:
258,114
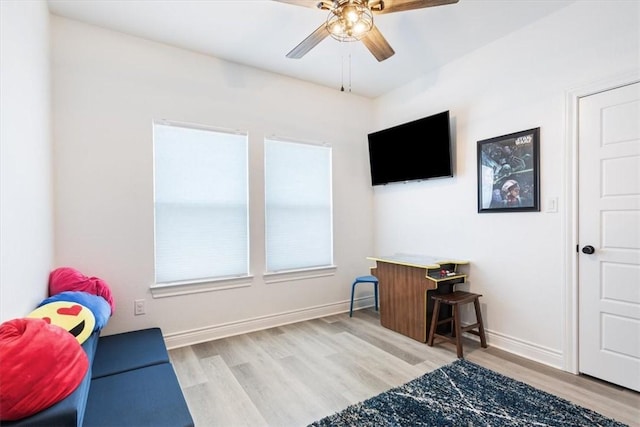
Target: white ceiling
259,33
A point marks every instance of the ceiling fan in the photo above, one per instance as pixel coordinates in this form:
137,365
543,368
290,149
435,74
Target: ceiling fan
352,20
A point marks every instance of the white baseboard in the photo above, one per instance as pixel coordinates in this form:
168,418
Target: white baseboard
513,345
544,355
214,332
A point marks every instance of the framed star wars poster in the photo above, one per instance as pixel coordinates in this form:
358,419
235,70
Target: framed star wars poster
508,173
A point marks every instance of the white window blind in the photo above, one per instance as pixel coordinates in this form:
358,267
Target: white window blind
299,224
201,203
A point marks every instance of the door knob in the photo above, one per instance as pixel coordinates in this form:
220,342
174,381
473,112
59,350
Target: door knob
588,250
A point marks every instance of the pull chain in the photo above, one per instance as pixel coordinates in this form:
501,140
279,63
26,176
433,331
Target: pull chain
346,51
341,73
342,59
349,72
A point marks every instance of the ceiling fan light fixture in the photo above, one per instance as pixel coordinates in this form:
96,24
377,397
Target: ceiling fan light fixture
349,21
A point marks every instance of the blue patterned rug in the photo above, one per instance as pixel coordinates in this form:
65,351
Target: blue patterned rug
465,394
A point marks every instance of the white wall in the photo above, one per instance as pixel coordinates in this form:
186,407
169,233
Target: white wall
26,222
107,89
516,83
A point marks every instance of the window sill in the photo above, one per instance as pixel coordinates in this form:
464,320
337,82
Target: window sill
306,273
163,290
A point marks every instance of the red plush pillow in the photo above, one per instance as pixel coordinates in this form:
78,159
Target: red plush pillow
69,279
41,364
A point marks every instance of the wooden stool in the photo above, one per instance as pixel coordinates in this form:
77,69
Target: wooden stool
455,299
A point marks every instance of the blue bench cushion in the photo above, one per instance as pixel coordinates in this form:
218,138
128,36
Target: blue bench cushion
148,396
129,350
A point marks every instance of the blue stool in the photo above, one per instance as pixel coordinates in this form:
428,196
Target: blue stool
364,279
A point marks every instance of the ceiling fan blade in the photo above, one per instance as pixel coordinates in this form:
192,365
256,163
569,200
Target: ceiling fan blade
314,4
309,43
391,6
377,44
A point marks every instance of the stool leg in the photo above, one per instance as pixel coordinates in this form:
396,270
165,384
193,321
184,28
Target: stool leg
353,288
456,323
375,293
483,340
434,323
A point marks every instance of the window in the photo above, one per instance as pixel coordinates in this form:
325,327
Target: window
201,204
299,227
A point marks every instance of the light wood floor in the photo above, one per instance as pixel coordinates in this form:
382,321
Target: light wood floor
296,374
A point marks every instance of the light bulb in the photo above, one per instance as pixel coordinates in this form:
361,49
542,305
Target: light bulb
351,13
359,28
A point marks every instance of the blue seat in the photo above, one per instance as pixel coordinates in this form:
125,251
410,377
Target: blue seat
128,351
144,397
364,279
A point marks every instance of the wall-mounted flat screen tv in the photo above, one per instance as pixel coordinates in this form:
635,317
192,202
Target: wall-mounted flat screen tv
416,150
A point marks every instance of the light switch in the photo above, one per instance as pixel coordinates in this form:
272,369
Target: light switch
552,205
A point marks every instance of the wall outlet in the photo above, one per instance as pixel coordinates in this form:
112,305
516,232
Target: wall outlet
138,307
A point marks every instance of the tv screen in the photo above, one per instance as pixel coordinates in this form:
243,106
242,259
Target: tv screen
416,150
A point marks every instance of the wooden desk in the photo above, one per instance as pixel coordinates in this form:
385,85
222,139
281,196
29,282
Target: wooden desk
406,283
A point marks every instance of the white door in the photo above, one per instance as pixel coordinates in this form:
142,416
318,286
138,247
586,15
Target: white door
609,223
